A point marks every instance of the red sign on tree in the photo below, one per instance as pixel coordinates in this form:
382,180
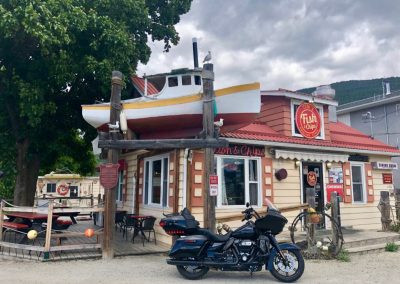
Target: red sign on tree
109,175
308,120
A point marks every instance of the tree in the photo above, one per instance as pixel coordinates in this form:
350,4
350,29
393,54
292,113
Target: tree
58,54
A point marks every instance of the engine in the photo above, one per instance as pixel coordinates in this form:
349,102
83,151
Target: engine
246,248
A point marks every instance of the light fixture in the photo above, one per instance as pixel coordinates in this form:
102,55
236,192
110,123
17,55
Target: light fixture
297,163
328,165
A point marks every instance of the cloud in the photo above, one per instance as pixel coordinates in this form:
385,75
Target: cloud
286,43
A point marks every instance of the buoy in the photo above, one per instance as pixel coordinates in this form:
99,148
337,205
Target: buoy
319,244
32,234
89,233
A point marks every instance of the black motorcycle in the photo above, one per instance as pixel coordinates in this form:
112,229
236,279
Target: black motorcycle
248,248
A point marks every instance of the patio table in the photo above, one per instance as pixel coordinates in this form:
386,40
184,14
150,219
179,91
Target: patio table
140,219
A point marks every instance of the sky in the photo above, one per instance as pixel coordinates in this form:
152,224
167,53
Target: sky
290,44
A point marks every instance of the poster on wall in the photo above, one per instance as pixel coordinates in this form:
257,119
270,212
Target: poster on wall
335,175
334,187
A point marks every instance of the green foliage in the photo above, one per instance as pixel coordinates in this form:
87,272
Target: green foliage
392,247
349,91
395,227
56,55
343,256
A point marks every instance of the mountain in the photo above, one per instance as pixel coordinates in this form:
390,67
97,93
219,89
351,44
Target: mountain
354,90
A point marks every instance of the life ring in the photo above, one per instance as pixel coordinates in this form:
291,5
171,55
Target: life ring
62,189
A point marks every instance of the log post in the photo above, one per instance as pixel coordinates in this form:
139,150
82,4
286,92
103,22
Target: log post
384,207
208,128
49,226
397,204
310,193
2,205
113,156
335,212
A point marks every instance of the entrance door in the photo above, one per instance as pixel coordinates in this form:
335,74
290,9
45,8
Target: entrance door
319,185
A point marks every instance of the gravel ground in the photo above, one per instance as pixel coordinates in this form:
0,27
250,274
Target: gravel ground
370,268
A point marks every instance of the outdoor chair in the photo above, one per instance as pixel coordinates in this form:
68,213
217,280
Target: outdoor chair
129,223
148,226
119,220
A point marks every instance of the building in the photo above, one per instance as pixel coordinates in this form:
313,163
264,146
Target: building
294,143
378,117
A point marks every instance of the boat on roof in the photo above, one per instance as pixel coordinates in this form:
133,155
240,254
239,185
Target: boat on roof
170,105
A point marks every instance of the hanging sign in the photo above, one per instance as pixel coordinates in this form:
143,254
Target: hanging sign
308,120
213,185
241,150
384,166
387,178
109,175
311,178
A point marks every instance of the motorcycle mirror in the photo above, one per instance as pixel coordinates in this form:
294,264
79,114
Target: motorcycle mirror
247,204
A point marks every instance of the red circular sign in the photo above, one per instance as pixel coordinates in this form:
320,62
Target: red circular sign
308,120
311,178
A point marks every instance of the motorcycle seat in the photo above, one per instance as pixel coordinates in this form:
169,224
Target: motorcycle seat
215,237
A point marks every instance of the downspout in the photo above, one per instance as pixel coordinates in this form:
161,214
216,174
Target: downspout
185,179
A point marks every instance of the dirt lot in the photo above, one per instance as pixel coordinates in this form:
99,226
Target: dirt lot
372,268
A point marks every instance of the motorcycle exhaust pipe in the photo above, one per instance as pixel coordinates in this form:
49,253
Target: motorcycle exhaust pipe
201,263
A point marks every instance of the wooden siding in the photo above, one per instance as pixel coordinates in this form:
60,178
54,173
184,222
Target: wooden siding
275,112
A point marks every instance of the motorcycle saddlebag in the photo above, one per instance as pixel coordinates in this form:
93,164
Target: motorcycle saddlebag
181,224
189,246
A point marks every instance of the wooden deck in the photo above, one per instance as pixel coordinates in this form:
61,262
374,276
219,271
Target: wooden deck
122,246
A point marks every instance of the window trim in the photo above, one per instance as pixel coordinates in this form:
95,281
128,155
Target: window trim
321,136
120,187
246,181
363,182
149,201
49,184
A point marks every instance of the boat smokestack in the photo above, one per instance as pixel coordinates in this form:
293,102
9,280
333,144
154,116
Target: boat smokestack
195,53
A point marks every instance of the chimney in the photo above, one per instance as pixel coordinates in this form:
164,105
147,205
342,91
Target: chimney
195,53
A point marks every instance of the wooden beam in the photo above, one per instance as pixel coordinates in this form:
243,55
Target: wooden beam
163,144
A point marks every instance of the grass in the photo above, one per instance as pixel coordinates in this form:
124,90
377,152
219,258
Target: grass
395,227
392,247
343,256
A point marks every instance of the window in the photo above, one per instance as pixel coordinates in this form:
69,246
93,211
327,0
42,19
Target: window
240,181
73,191
51,187
358,183
172,81
186,80
197,80
121,185
156,181
295,131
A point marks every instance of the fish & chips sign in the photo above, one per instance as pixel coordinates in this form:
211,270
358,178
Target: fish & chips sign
308,120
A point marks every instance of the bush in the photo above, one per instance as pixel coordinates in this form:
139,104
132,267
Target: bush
395,227
343,256
392,247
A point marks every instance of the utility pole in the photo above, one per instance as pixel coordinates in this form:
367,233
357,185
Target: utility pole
113,156
208,128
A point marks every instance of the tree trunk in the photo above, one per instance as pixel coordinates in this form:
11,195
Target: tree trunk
27,173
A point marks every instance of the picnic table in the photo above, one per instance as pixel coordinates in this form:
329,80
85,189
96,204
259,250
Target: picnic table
36,220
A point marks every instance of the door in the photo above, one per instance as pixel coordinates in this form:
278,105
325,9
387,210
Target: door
319,185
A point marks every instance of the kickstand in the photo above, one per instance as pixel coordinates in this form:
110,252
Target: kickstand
251,274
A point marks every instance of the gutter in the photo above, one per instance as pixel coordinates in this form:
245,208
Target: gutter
312,147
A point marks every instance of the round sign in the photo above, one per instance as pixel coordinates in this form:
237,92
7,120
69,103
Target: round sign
311,178
308,120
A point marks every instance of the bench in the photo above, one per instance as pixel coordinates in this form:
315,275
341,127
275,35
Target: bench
60,236
15,226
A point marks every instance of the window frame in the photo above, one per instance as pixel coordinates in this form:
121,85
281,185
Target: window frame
246,181
119,194
363,183
149,185
321,135
51,184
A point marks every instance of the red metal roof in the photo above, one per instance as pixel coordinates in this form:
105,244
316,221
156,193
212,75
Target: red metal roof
342,136
139,84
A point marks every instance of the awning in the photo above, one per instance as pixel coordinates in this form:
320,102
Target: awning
308,156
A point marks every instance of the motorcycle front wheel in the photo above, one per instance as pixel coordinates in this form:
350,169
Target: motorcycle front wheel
192,272
289,269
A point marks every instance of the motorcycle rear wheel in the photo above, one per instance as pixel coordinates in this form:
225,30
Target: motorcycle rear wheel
192,272
292,270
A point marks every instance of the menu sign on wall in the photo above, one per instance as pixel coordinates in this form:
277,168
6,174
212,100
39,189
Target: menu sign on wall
387,178
384,166
308,120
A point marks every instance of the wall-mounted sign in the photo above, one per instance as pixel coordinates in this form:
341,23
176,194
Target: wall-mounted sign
332,187
311,178
358,158
308,120
241,150
213,185
384,166
387,178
